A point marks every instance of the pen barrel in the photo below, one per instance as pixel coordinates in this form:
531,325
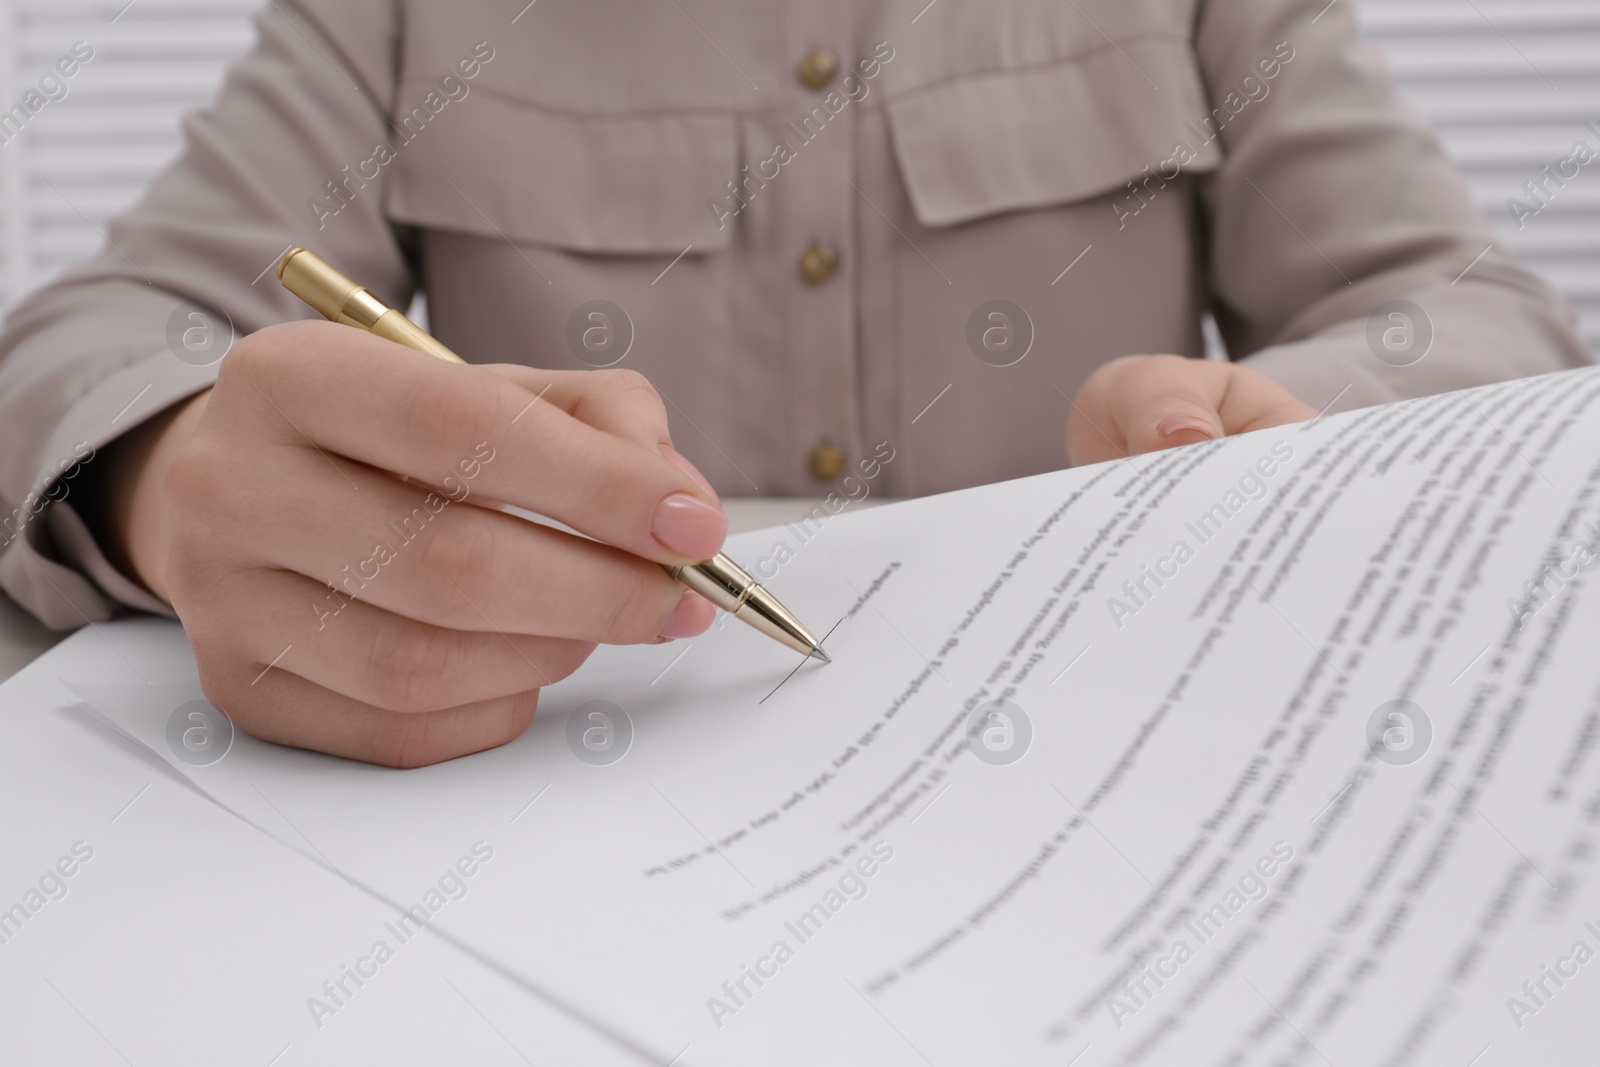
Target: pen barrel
720,580
393,326
730,587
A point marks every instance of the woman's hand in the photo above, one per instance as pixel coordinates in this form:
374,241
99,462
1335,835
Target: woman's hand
334,606
1146,403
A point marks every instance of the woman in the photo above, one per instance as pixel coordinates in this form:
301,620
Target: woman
799,238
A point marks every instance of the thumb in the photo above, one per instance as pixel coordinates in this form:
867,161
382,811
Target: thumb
1169,421
1166,401
1139,404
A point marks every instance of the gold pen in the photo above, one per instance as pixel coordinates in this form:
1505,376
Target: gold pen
720,580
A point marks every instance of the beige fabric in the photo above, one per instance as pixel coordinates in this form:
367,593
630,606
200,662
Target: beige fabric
583,152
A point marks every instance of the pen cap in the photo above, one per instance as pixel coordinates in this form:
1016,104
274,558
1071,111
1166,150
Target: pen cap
335,297
332,295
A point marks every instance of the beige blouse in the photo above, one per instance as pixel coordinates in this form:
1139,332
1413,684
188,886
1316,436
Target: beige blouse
827,230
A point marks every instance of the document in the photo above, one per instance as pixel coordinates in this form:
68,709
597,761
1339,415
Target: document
1278,749
141,922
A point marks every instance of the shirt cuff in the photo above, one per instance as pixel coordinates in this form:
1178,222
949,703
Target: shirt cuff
49,561
1332,372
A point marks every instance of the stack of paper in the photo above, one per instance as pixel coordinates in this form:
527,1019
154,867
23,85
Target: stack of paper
1278,749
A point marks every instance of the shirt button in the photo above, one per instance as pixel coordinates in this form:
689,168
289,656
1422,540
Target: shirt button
817,263
818,68
826,462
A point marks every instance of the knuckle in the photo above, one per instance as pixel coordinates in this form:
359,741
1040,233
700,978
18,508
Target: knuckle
263,356
565,659
628,382
506,718
402,742
461,408
408,665
214,679
639,606
456,568
632,389
520,710
410,741
223,683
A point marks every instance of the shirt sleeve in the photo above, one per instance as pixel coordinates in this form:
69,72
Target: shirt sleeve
1346,258
271,164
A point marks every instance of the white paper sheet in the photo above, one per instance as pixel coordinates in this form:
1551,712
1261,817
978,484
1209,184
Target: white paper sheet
1215,837
140,922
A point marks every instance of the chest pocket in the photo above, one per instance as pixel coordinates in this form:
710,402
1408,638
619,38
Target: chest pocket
624,184
600,206
1053,134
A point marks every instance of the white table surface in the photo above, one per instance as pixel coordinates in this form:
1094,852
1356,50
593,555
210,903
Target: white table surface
22,639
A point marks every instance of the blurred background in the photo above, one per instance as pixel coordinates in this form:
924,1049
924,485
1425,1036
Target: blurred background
1509,85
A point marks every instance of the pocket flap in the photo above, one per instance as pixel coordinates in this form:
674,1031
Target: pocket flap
990,143
628,183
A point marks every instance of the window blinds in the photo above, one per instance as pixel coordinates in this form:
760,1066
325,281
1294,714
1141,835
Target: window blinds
1510,87
87,155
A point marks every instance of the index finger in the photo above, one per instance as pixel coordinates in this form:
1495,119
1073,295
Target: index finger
466,430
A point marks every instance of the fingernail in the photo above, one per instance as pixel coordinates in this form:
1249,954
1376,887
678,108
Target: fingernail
693,615
689,526
690,469
1187,428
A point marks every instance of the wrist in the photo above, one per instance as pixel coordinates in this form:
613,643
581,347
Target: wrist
136,525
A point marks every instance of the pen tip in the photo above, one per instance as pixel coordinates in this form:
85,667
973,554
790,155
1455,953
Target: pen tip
819,654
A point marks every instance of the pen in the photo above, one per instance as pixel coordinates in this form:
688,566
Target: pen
719,579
